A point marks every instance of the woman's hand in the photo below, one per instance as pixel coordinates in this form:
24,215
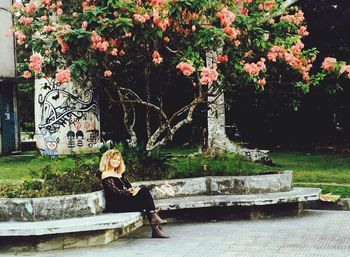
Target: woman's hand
134,191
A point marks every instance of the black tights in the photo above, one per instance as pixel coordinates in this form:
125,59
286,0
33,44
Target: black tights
143,200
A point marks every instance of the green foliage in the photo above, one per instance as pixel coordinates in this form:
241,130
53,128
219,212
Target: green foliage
193,165
327,171
82,178
30,166
141,165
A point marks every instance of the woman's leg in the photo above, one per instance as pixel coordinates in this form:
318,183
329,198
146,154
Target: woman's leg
145,200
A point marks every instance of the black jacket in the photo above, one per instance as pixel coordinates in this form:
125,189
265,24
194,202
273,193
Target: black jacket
116,194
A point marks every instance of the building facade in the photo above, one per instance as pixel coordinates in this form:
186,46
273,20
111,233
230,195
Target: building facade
9,131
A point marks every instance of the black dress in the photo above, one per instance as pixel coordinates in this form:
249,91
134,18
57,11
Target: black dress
118,199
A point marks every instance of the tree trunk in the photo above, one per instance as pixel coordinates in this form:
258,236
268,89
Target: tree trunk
148,100
129,122
218,142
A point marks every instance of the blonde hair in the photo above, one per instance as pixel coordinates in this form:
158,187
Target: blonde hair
109,155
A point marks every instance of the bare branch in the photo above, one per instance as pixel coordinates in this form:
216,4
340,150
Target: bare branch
171,50
283,7
148,104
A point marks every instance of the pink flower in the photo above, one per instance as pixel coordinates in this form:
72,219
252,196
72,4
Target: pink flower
276,52
226,17
267,6
129,34
59,11
253,69
166,40
262,82
158,2
121,52
64,45
208,76
345,68
63,76
16,6
157,59
114,52
222,58
107,73
186,68
20,37
84,25
328,63
30,8
27,74
36,63
303,31
141,18
43,18
46,2
243,10
232,32
26,21
97,42
297,18
49,28
104,46
297,47
161,23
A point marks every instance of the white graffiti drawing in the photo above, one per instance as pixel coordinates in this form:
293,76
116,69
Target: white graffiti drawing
60,107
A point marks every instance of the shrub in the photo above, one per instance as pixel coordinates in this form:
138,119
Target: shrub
141,165
82,178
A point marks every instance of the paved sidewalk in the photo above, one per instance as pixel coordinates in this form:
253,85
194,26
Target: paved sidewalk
315,234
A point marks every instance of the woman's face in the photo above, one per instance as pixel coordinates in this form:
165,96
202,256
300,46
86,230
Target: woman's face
115,161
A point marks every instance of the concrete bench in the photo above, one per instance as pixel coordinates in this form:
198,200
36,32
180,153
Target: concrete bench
294,196
90,204
104,228
122,220
33,234
82,224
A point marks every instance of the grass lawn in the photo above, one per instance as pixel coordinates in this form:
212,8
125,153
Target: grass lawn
330,172
28,165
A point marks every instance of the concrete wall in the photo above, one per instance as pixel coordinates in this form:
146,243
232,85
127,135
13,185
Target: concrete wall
67,119
7,60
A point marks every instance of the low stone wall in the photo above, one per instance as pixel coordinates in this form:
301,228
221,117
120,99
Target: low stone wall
218,185
60,207
233,185
51,208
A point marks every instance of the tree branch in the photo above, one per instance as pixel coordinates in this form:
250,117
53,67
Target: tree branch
283,7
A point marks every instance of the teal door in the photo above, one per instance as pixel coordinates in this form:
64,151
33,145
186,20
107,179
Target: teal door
7,121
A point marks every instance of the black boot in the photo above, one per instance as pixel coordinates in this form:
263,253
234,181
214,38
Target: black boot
154,218
157,233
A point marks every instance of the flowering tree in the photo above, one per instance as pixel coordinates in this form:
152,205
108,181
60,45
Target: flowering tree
96,40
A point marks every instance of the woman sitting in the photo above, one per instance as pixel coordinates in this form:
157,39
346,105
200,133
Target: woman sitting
122,197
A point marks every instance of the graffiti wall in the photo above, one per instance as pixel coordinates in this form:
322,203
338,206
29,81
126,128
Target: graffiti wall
67,118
